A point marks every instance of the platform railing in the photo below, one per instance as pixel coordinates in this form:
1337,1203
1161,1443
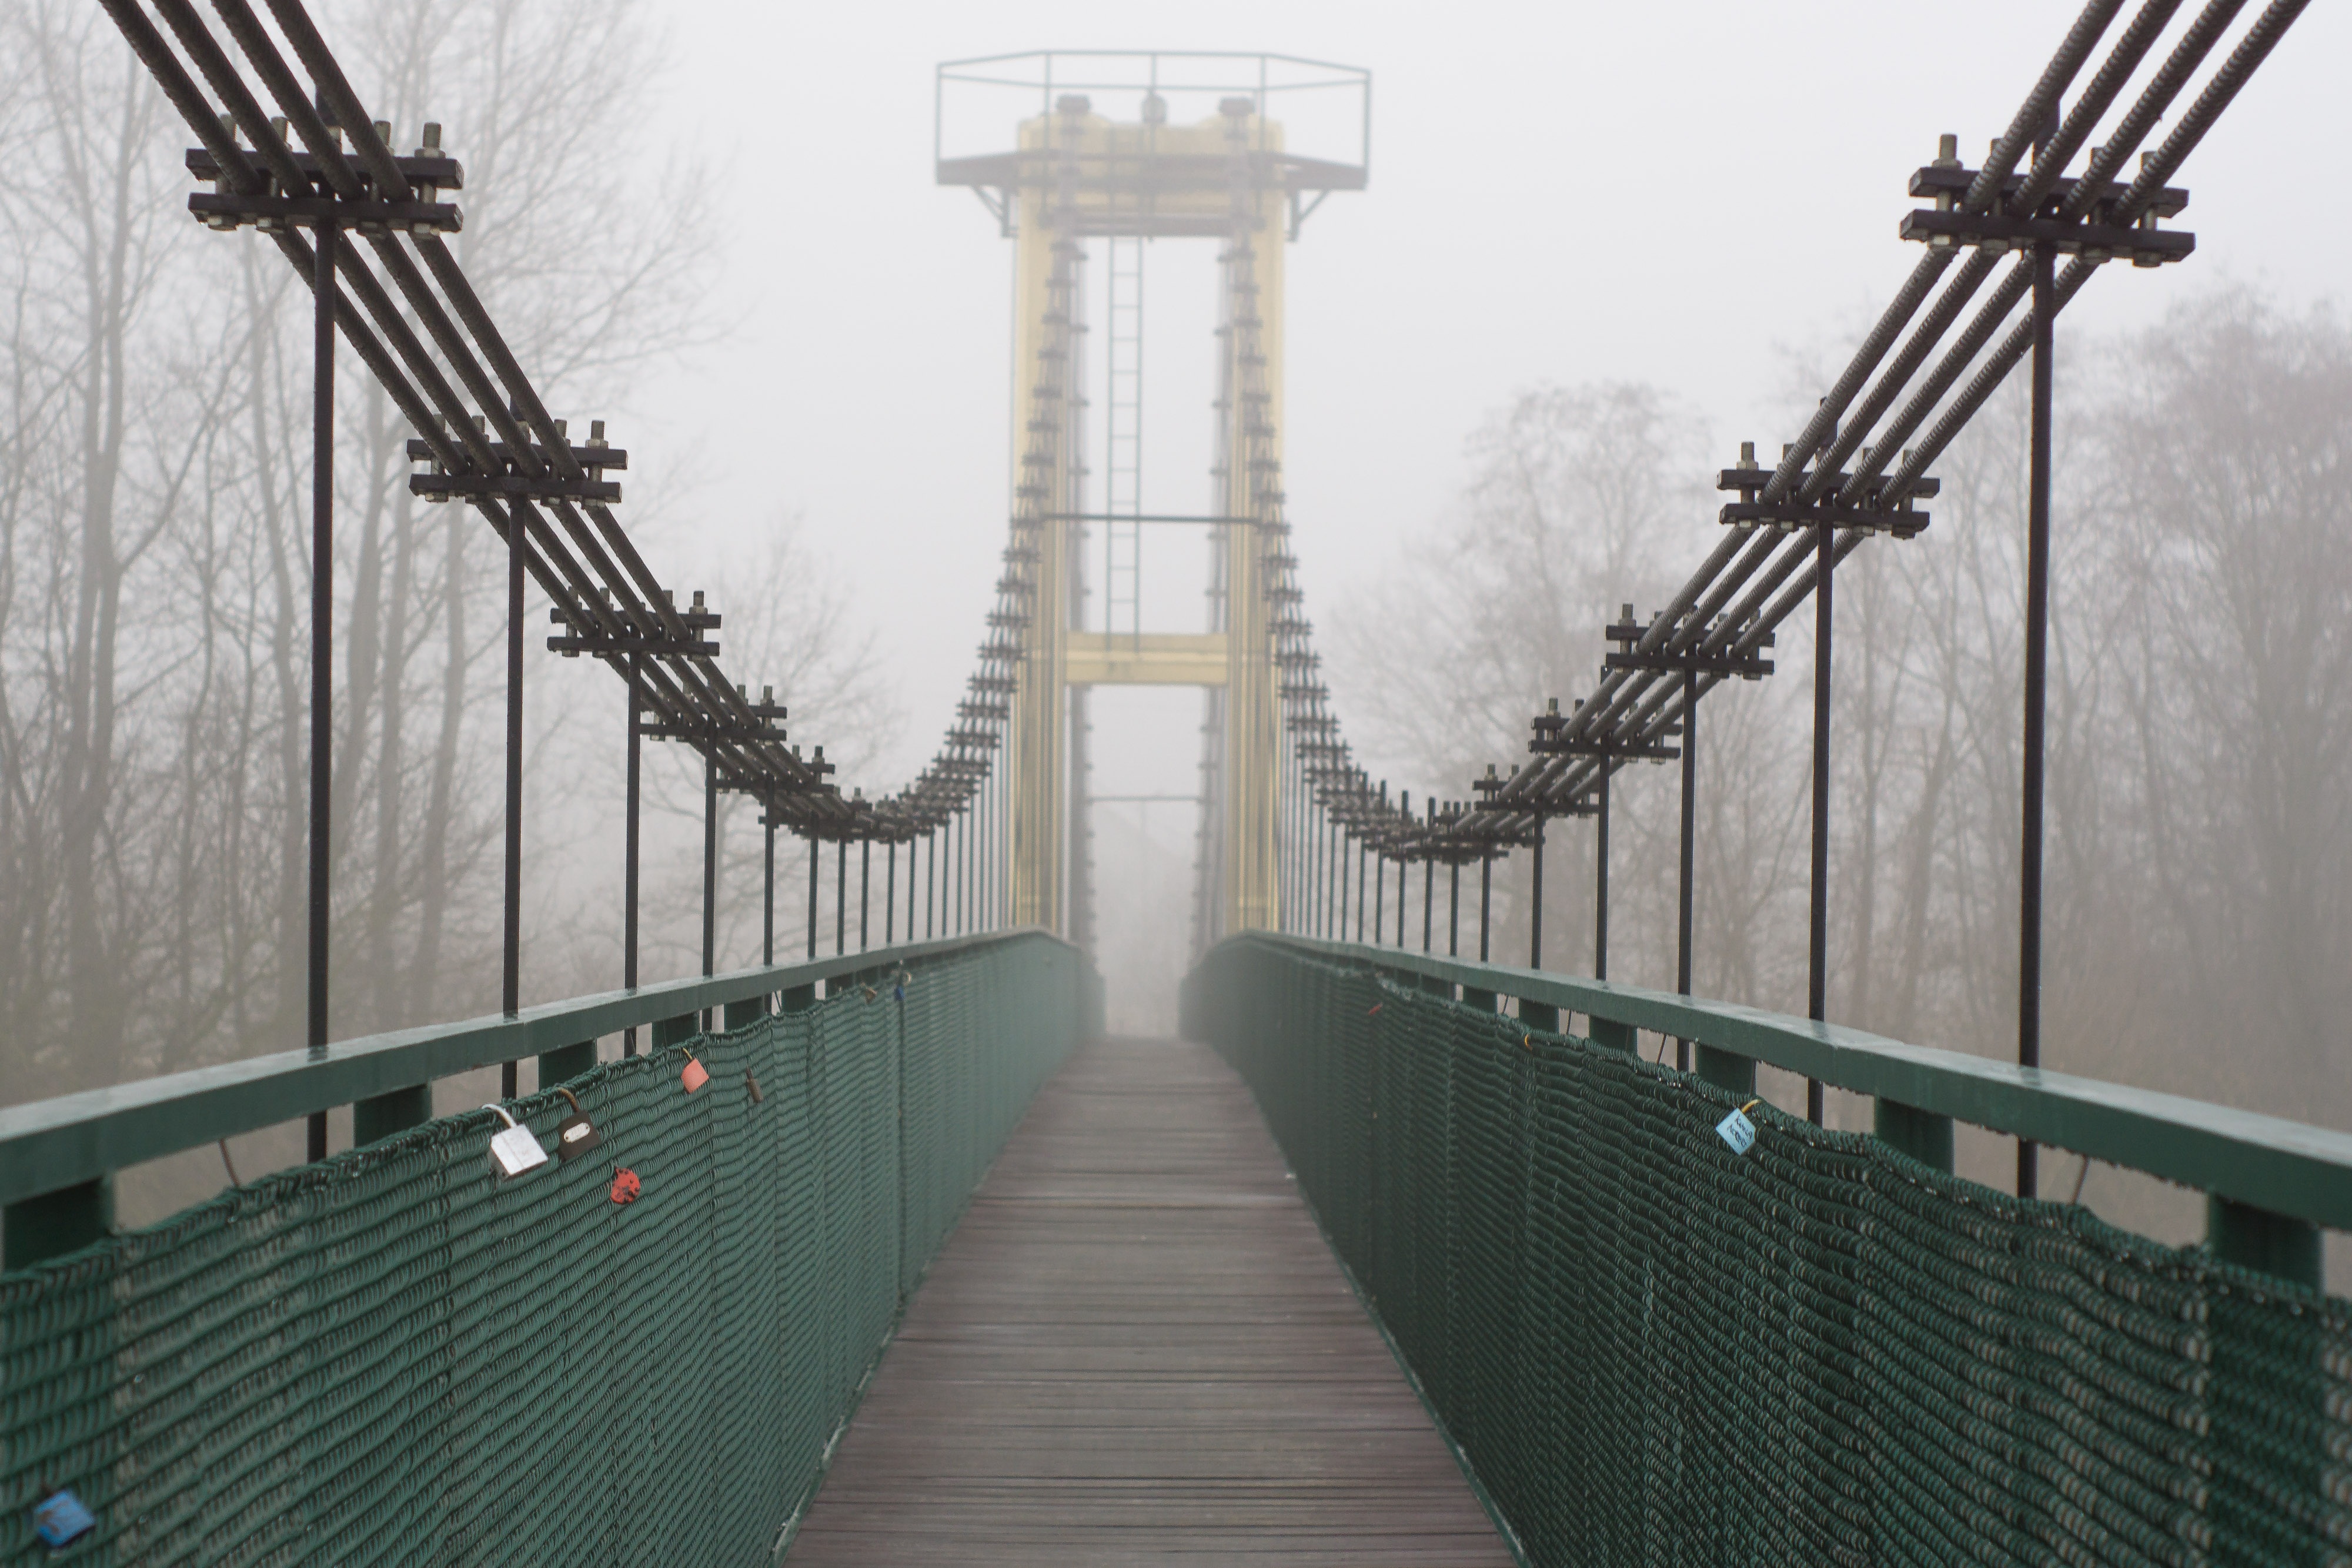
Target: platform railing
2272,1184
637,1346
58,1156
1654,1337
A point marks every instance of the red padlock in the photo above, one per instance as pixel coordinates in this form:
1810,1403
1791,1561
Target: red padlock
694,1075
626,1186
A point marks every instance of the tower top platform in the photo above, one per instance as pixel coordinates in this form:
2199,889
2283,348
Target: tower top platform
1147,139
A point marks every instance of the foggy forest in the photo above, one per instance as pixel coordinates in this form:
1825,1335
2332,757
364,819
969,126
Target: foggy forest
153,585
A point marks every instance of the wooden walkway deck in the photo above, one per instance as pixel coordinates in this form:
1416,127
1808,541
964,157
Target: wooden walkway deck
1137,1348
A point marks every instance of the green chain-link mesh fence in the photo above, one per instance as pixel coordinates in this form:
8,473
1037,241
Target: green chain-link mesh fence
396,1357
1653,1350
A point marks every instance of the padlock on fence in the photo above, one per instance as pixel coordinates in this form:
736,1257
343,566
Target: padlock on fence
752,1087
578,1134
1736,1130
694,1075
514,1148
60,1519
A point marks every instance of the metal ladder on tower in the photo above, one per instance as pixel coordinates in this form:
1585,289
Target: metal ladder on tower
1123,436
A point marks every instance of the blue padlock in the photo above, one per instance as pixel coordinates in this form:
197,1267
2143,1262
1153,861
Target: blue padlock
60,1518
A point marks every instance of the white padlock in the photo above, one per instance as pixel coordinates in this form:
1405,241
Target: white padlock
514,1148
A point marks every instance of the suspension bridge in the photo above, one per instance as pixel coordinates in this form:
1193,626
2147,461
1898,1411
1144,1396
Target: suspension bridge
1406,1253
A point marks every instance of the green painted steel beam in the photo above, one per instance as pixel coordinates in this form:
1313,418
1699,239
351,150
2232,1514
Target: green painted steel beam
565,1062
50,1145
1924,1137
56,1223
1609,1033
2255,1239
380,1116
2288,1169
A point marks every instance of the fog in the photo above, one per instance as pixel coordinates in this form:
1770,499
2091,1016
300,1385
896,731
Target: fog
1702,198
717,227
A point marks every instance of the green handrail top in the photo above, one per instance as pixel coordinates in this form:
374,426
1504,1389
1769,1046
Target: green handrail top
2265,1162
50,1144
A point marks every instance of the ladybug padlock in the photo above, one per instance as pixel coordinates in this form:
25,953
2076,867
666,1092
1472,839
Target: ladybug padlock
578,1134
694,1076
626,1186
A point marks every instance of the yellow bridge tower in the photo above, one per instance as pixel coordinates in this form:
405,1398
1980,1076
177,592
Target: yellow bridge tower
1122,150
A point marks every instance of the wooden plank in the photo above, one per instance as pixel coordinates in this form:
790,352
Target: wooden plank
1137,1346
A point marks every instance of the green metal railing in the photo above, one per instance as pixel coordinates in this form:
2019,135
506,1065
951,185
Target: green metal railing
1651,1348
397,1355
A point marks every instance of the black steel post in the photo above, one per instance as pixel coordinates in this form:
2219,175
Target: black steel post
911,853
1485,900
1405,873
1428,892
864,890
812,919
2037,674
1817,971
1379,907
510,943
768,922
1535,922
1363,856
930,877
1601,879
1335,876
1690,844
710,862
1319,894
629,857
1404,814
889,893
322,628
1454,911
841,898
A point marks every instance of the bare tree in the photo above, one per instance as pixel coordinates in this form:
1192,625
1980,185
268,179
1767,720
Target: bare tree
153,558
2199,915
2227,447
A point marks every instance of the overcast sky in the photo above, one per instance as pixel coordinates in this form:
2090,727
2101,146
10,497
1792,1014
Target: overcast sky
1680,194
